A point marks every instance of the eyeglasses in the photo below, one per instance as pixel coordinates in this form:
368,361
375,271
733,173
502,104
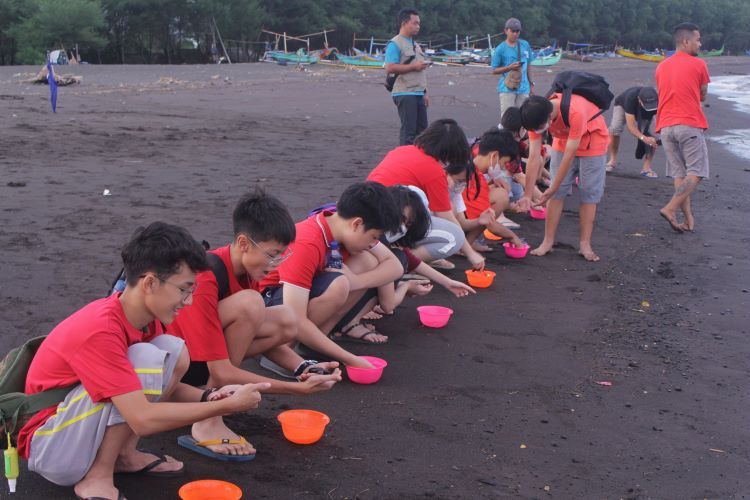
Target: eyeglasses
273,261
185,293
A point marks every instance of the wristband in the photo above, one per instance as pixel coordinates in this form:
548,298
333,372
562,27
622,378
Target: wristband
304,366
206,393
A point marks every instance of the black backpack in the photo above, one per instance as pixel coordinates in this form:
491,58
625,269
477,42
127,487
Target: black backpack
593,88
214,263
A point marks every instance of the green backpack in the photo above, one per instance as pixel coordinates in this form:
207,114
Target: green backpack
16,407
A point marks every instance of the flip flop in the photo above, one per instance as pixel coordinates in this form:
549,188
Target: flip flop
609,168
201,447
148,470
343,335
650,174
442,264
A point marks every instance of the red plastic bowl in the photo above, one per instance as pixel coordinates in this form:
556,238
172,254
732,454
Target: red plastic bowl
515,252
367,375
434,316
303,426
210,489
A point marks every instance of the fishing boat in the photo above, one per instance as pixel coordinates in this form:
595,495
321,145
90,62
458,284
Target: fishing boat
450,59
575,56
360,61
299,57
711,53
549,60
641,54
369,57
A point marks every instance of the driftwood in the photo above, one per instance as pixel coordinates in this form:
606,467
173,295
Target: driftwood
61,80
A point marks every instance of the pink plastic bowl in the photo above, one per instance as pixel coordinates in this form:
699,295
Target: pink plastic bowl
434,316
538,214
515,252
367,375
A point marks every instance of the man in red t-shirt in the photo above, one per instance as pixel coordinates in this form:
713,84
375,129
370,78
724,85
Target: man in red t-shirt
321,290
579,149
113,356
229,323
682,81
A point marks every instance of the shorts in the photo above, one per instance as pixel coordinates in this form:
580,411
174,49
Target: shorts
617,125
63,449
686,151
443,239
591,174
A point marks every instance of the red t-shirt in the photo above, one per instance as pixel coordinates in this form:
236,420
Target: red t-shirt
410,166
89,347
593,134
475,207
309,253
199,325
679,79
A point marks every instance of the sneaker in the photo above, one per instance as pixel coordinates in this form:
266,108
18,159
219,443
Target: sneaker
277,369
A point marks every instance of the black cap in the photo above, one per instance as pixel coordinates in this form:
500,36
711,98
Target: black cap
649,98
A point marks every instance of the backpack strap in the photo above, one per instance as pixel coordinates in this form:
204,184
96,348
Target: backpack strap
32,403
220,272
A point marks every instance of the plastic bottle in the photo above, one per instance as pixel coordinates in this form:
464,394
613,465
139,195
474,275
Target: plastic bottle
335,259
11,465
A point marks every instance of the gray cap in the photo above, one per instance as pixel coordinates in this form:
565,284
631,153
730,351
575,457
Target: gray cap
649,98
513,24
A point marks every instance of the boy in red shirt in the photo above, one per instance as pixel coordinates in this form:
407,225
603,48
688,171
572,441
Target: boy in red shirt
682,81
578,150
323,296
223,327
116,361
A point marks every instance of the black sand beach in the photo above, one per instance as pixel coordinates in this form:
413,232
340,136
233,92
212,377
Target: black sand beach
502,403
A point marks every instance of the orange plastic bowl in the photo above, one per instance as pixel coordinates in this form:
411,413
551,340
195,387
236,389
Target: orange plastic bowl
480,279
210,489
491,236
303,426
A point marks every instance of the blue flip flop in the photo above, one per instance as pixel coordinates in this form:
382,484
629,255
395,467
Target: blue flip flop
201,447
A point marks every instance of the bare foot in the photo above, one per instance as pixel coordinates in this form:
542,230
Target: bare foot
689,224
214,428
101,488
588,254
135,460
479,247
542,249
372,315
670,217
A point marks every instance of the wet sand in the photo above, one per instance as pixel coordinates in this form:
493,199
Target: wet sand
502,403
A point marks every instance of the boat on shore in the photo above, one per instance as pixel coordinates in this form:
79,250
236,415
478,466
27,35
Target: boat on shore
548,60
299,57
641,54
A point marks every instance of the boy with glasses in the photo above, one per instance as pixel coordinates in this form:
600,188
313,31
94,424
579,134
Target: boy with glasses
229,322
123,374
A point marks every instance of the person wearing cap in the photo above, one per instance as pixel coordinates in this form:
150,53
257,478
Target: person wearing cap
506,63
634,108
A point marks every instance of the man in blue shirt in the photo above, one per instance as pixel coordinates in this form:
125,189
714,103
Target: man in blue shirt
405,58
515,83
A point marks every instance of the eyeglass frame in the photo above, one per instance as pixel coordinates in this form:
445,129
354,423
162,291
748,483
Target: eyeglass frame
272,261
185,292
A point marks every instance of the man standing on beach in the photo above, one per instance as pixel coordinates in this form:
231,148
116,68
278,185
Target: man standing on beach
682,81
512,59
404,57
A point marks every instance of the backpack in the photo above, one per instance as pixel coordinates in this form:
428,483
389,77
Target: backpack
214,263
593,88
16,407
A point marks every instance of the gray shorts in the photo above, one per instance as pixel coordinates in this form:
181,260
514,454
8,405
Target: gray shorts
617,125
591,173
686,151
510,100
443,239
63,449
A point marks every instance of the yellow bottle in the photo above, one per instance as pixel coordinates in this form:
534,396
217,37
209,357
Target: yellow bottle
11,465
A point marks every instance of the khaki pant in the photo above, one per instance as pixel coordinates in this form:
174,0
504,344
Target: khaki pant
686,151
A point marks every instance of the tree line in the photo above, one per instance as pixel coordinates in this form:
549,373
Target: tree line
179,31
